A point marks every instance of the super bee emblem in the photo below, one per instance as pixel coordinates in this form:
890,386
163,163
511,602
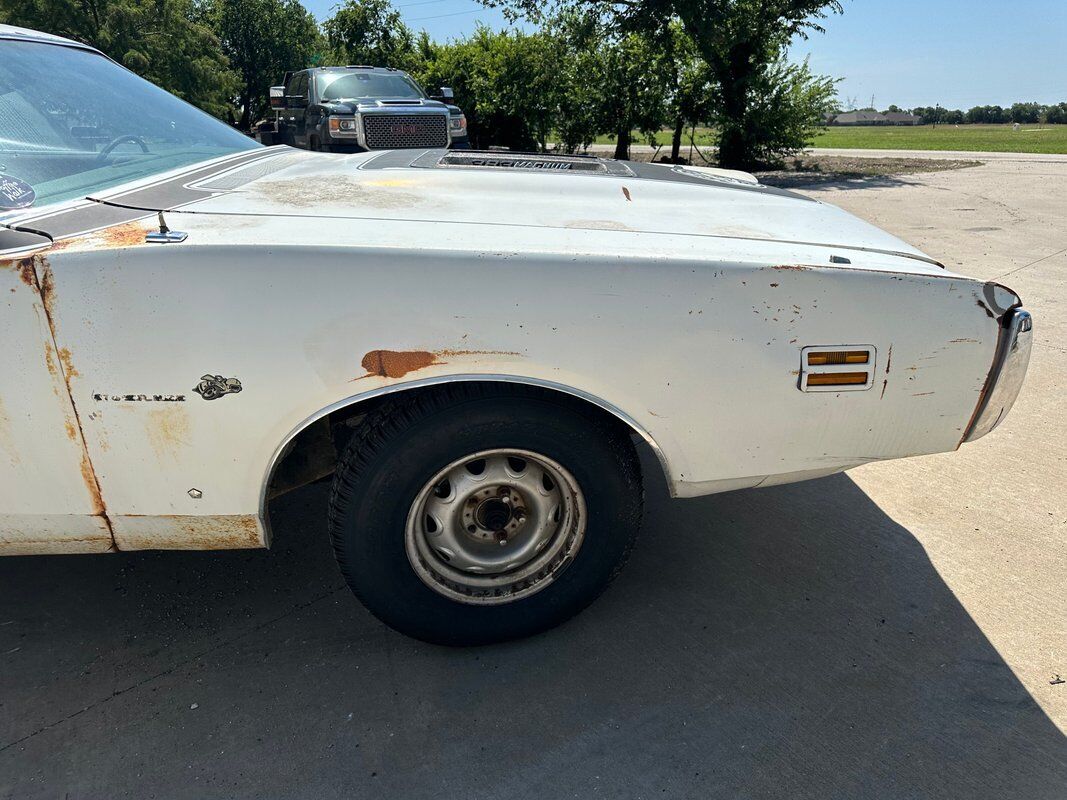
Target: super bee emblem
212,387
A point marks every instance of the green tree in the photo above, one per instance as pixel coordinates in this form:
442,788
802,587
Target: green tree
787,103
161,40
262,40
618,81
1026,113
371,32
506,82
741,41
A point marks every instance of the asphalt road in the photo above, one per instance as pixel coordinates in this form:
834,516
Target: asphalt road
895,632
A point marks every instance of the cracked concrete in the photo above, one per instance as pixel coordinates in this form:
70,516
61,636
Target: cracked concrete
893,632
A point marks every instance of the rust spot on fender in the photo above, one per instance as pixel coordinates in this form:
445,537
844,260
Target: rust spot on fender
626,194
398,363
72,430
889,359
791,268
774,285
885,383
963,341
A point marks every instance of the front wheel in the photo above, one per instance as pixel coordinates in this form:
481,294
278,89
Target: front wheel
474,515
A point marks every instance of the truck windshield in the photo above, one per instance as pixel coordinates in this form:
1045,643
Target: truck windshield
73,123
354,85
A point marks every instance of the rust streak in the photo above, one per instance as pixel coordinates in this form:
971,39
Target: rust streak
626,194
961,341
884,384
44,283
889,359
791,268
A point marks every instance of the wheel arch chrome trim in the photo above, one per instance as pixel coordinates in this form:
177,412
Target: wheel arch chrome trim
282,449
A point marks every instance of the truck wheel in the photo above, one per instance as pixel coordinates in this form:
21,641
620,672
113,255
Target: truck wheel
471,515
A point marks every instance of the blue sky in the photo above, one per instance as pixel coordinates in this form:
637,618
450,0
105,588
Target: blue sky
958,53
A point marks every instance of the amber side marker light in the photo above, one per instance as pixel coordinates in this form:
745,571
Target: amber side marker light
837,378
828,357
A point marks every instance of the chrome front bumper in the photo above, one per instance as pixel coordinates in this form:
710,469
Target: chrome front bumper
1006,377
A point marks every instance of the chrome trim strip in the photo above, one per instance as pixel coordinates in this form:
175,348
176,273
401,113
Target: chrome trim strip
1006,376
618,413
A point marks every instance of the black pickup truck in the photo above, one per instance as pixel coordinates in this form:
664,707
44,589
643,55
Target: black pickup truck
356,108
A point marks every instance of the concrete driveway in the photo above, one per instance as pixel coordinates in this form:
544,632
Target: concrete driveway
896,632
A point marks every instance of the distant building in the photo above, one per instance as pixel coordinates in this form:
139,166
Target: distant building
860,118
853,118
902,118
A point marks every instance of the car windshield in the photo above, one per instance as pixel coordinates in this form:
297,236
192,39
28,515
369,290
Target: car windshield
73,123
353,85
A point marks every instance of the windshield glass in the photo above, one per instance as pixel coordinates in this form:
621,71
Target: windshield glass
73,123
354,85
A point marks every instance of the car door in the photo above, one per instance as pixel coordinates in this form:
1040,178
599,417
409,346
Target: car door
297,102
49,496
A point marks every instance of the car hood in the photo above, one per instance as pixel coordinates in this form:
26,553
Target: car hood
397,105
485,199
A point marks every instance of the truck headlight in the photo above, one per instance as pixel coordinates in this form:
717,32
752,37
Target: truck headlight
345,126
457,123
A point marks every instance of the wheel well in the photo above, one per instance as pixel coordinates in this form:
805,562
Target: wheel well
312,452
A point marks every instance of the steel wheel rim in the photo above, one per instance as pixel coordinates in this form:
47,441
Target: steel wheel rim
495,526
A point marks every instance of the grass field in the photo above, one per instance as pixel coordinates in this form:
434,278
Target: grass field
981,138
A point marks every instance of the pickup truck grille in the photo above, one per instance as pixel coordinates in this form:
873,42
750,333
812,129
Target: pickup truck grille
392,131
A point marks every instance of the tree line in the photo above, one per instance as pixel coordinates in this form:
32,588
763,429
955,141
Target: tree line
1022,113
591,67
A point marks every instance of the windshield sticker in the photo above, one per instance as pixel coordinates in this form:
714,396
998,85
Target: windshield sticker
15,193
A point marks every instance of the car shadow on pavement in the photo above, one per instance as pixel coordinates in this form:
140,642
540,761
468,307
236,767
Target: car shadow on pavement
787,642
821,181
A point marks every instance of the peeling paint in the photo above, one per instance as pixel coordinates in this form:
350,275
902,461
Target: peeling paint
343,189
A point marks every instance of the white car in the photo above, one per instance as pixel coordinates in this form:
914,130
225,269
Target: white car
474,345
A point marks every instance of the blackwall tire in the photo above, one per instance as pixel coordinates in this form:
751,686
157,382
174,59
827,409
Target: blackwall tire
447,554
